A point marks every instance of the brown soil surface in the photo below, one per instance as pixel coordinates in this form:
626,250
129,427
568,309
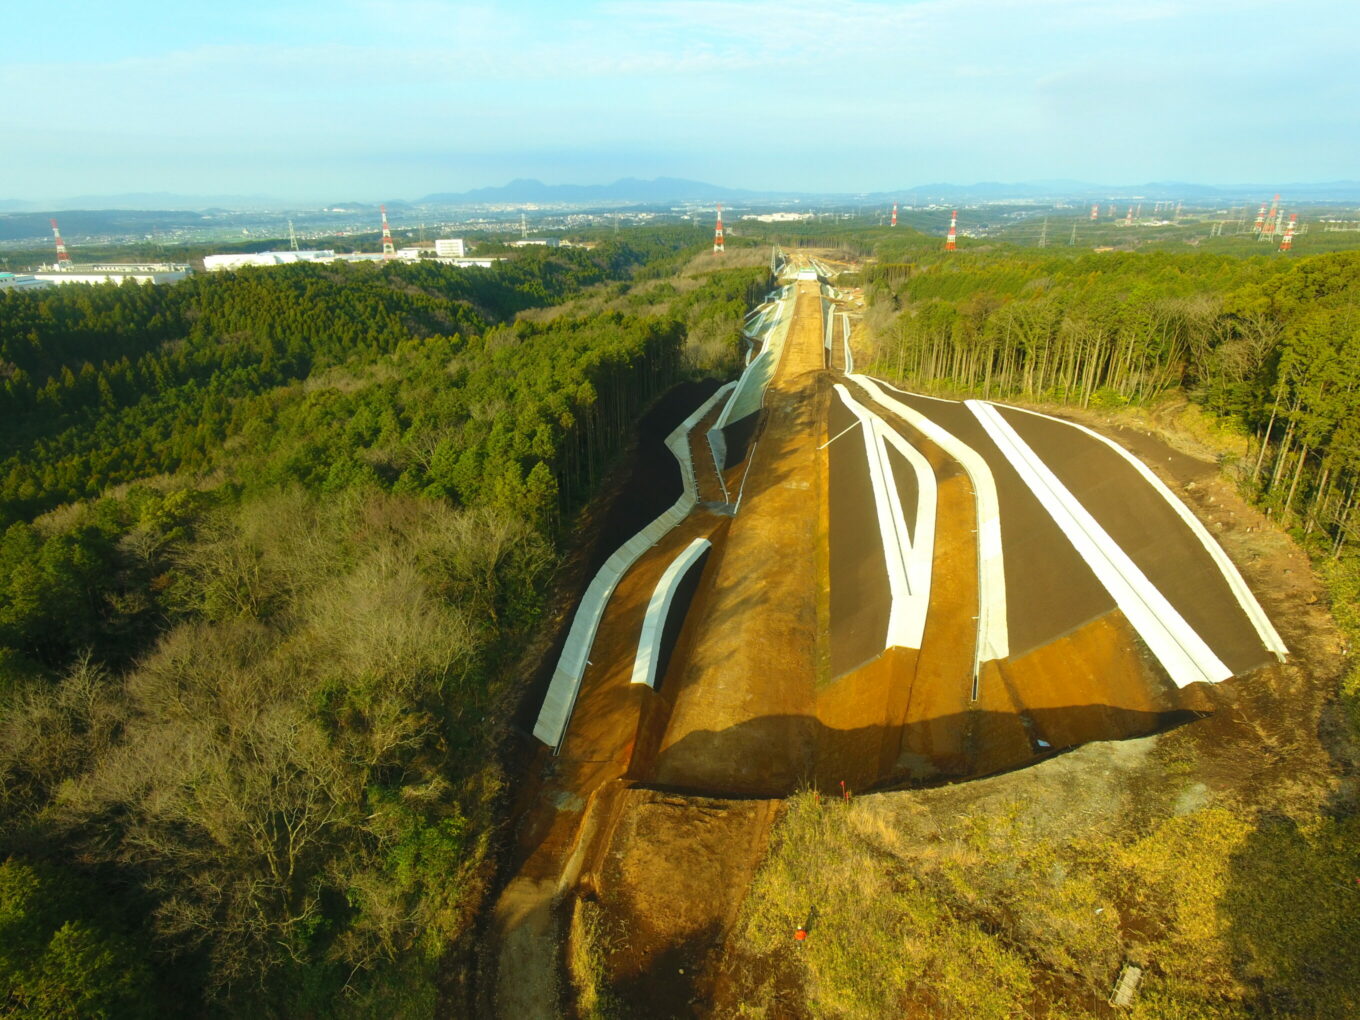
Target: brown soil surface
630,811
862,716
671,888
1093,684
744,702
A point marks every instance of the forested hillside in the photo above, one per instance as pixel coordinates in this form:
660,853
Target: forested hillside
270,543
1270,345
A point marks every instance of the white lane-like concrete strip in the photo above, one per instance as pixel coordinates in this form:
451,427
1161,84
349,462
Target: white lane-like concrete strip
766,315
658,612
921,559
1270,637
1185,655
565,684
907,615
748,396
849,358
993,637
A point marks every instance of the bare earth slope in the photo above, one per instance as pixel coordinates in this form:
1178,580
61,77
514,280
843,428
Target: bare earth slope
781,680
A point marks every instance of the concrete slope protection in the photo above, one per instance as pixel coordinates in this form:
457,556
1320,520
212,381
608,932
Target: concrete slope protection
732,434
566,679
1186,657
945,578
1167,550
659,610
1036,426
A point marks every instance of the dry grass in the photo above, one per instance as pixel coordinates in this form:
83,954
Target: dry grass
733,258
587,949
880,943
989,904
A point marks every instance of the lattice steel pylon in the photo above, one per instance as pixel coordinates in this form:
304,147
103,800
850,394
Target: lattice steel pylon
389,249
1288,242
63,257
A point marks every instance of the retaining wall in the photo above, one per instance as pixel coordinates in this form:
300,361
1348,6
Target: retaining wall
565,685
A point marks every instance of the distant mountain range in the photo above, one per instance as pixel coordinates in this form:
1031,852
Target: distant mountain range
626,189
989,191
671,190
145,201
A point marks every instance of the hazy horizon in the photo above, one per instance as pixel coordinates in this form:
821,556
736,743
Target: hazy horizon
1072,190
370,99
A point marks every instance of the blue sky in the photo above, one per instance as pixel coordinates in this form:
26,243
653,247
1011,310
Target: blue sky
379,99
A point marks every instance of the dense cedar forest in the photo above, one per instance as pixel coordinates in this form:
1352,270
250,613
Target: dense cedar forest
270,545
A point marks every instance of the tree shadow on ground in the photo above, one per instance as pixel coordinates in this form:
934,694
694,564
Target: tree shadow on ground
677,982
776,755
1292,916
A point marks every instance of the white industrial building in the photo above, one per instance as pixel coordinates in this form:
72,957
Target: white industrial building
450,247
15,281
238,260
218,263
114,272
481,261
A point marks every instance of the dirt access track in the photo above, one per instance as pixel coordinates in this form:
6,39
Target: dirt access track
898,589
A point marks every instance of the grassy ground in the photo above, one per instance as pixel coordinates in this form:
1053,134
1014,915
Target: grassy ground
588,946
1017,905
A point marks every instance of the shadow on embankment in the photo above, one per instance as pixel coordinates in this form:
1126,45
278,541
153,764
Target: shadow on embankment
777,755
641,485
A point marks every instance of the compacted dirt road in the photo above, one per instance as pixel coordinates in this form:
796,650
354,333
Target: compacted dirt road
744,713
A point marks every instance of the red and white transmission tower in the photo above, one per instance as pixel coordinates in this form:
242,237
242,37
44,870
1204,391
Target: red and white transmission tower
1288,241
1128,220
718,233
1270,216
1095,212
894,219
389,249
1260,220
63,258
949,239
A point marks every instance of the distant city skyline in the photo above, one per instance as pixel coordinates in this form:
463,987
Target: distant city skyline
376,99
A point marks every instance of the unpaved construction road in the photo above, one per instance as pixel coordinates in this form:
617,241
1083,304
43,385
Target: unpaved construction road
906,590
